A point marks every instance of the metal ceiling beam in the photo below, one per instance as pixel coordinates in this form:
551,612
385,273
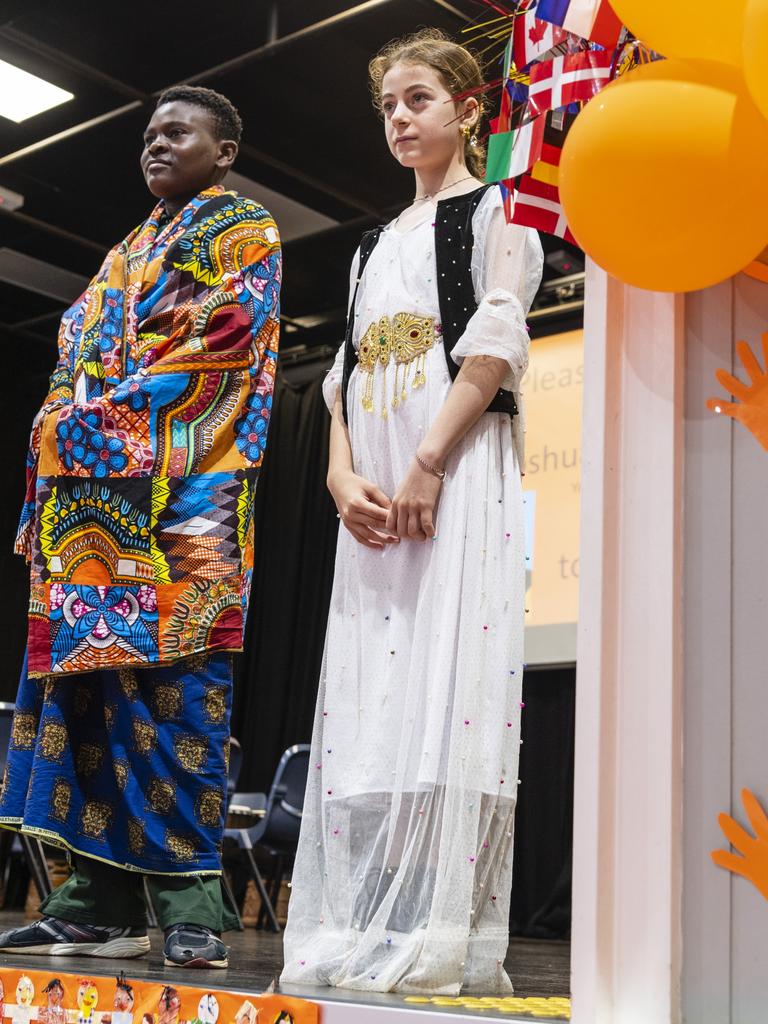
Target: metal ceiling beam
22,333
451,10
51,229
64,60
68,133
266,50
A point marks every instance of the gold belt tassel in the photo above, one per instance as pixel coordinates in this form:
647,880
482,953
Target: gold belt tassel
407,338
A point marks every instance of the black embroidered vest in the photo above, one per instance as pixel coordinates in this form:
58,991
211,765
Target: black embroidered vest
456,294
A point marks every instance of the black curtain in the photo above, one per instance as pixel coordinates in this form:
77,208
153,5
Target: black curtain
296,526
541,886
26,365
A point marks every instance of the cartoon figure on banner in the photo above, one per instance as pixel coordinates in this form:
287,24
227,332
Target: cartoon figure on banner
751,859
168,1006
247,1014
87,998
2,1002
23,1011
53,1012
208,1009
122,1003
751,405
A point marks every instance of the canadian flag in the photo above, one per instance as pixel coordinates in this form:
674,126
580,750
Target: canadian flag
533,38
575,77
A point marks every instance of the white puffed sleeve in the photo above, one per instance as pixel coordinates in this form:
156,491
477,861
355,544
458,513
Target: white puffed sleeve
507,263
334,377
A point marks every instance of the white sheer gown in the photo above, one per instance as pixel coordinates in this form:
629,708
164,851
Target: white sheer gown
404,869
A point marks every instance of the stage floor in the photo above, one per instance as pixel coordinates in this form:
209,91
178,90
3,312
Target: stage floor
538,969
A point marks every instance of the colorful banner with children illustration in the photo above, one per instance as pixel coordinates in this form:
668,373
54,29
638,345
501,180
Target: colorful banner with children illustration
59,998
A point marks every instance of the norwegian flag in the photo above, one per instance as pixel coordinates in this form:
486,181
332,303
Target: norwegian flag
532,38
514,98
573,78
507,197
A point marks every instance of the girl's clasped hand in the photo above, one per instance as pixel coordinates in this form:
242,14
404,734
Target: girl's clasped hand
374,520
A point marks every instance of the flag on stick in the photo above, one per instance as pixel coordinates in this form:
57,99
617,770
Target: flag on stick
537,205
514,99
537,202
573,78
533,37
512,153
591,19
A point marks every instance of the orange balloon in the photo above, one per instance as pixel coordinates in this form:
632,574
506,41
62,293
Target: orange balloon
706,29
663,176
755,49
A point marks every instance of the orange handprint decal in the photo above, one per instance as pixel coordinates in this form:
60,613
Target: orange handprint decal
752,858
751,409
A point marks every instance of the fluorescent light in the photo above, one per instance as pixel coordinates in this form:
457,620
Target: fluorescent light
23,95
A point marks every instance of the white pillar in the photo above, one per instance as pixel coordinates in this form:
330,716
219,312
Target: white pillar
626,948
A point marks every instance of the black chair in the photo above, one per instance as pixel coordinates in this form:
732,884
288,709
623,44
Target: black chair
28,846
278,831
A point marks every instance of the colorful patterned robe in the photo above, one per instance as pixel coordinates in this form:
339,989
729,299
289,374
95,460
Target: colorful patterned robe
144,457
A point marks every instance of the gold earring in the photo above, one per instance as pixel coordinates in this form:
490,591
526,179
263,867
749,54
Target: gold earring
466,131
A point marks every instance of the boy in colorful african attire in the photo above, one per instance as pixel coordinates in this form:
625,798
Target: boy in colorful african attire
138,529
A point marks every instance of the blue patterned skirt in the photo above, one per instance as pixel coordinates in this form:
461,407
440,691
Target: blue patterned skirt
127,766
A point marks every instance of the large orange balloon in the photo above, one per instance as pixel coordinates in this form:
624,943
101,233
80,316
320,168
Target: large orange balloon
663,176
755,50
708,29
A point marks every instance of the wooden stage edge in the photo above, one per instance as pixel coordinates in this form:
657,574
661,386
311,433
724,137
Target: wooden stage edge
539,969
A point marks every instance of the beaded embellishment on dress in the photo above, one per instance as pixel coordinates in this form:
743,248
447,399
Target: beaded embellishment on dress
404,337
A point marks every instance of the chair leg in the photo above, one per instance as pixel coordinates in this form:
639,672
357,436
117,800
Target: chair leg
266,903
151,912
230,897
277,880
38,866
269,884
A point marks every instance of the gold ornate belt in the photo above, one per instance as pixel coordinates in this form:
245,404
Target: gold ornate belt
404,337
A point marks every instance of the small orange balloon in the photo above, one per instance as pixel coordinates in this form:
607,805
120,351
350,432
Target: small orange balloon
704,29
662,176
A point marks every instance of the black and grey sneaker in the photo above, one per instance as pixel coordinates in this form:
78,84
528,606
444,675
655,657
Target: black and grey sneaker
193,945
54,937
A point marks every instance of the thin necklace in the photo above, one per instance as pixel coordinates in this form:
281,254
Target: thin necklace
431,195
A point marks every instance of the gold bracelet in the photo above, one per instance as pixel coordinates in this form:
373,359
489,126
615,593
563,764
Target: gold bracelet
430,469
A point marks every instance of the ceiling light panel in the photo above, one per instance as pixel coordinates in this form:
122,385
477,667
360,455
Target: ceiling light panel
23,95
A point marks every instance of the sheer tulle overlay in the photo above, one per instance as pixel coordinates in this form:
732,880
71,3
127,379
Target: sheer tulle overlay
404,869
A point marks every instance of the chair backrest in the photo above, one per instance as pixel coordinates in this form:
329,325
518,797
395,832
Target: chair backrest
6,718
235,764
285,803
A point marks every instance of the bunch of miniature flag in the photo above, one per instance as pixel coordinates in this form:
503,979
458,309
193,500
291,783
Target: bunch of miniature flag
560,53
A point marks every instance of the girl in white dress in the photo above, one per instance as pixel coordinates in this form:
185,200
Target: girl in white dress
404,869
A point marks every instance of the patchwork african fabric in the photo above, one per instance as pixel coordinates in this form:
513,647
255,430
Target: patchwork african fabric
144,457
129,766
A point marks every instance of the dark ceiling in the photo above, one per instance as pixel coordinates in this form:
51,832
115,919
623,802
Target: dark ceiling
296,71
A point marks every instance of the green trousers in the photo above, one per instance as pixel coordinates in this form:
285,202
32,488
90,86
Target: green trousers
101,894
